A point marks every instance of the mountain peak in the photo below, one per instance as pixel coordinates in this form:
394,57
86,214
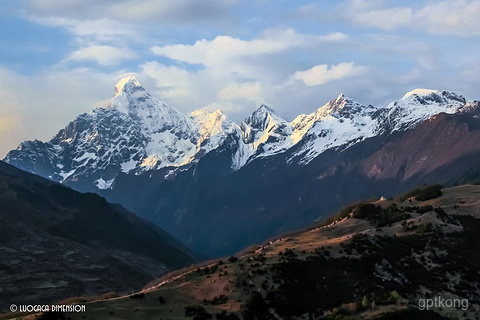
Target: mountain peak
127,84
427,96
340,97
262,112
420,92
259,119
264,108
340,105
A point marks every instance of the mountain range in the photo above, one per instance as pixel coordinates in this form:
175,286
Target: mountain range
136,133
219,186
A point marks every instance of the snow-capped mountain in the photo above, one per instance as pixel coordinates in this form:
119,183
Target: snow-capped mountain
341,122
170,135
266,132
136,133
420,104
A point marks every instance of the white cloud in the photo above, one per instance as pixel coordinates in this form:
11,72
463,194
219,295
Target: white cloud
450,17
226,49
236,75
171,83
321,74
103,55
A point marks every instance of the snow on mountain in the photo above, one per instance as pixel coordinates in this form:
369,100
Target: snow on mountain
133,134
171,135
213,128
266,133
136,133
341,122
418,105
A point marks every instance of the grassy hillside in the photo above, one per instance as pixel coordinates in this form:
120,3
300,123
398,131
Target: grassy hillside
349,269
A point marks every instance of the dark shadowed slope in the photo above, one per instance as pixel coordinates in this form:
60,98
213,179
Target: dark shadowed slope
219,215
57,243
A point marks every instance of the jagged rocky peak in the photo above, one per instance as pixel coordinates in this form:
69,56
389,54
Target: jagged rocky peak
342,106
336,106
127,85
266,132
261,118
427,96
129,95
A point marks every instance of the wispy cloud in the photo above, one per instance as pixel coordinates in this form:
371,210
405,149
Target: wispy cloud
225,49
321,74
446,18
235,74
103,55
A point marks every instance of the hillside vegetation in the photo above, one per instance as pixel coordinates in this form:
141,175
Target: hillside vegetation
377,262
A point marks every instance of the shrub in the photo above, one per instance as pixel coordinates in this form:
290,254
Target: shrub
366,210
378,216
430,192
424,193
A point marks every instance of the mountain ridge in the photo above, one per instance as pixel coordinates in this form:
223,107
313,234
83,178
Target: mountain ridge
136,133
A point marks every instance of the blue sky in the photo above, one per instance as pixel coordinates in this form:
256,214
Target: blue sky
62,58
